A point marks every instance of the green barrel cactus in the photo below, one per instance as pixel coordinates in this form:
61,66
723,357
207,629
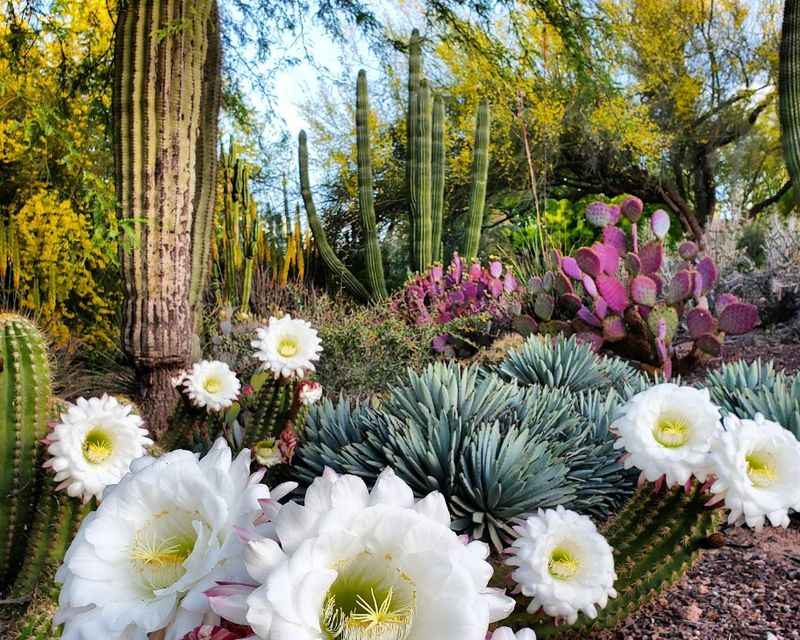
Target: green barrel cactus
25,390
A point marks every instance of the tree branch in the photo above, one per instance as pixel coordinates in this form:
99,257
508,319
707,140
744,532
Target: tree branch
758,207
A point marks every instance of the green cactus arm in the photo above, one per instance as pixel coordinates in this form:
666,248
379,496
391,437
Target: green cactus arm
789,88
477,196
366,205
438,162
25,390
414,77
329,257
421,188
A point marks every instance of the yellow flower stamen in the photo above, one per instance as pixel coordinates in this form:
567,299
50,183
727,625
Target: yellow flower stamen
671,432
761,469
212,385
160,562
288,347
563,564
97,446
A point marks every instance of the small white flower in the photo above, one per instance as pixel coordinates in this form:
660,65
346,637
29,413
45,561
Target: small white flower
563,564
757,469
505,633
357,564
288,347
162,537
93,445
310,392
667,431
212,384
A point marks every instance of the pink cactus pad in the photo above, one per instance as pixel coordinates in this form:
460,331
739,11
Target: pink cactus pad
666,315
562,284
585,314
475,271
589,261
525,325
570,303
613,291
680,287
707,269
496,268
600,214
643,291
549,281
600,307
688,250
633,264
710,344
659,282
543,306
632,208
700,322
570,267
535,285
593,340
651,257
609,257
589,286
724,299
615,237
738,318
659,223
613,328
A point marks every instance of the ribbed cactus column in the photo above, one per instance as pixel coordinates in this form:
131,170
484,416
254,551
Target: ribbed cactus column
336,267
477,196
414,78
421,188
24,396
789,88
159,64
366,204
438,161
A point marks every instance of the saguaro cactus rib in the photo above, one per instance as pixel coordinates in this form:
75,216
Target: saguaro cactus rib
421,188
332,262
477,196
438,161
414,77
366,204
160,58
789,88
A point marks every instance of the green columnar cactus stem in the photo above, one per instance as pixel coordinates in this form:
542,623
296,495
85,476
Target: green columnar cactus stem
438,161
206,163
366,205
332,262
477,197
24,395
414,77
789,88
421,188
656,539
159,63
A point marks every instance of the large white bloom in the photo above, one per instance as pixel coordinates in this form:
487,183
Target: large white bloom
667,431
93,445
505,633
354,564
212,384
757,469
160,538
563,564
288,347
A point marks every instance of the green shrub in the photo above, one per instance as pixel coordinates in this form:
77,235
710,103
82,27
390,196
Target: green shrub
753,242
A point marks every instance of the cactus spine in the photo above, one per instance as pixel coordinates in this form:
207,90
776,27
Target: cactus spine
377,282
24,397
160,58
789,88
332,262
438,161
477,196
656,539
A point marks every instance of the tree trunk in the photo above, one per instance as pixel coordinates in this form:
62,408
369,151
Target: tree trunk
160,57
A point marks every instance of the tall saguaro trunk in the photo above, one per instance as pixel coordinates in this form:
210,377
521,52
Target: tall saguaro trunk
166,101
789,88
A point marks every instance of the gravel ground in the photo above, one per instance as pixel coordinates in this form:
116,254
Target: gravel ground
746,590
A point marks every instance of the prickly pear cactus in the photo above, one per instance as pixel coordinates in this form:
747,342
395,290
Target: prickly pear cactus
24,396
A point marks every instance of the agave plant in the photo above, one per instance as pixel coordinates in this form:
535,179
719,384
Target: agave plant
745,389
494,449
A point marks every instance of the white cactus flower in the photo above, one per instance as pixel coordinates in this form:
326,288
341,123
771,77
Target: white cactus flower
505,633
212,385
563,564
288,347
94,444
310,392
667,430
757,468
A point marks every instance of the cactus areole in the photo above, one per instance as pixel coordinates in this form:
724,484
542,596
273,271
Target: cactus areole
163,91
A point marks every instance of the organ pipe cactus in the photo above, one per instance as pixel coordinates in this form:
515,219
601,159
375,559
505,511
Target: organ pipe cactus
613,294
789,87
477,196
24,397
160,101
438,162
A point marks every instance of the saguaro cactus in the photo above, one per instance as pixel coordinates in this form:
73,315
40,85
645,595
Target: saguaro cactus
477,196
789,87
366,205
159,104
438,162
24,396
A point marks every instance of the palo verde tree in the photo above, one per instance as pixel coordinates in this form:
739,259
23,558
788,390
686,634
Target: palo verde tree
165,106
